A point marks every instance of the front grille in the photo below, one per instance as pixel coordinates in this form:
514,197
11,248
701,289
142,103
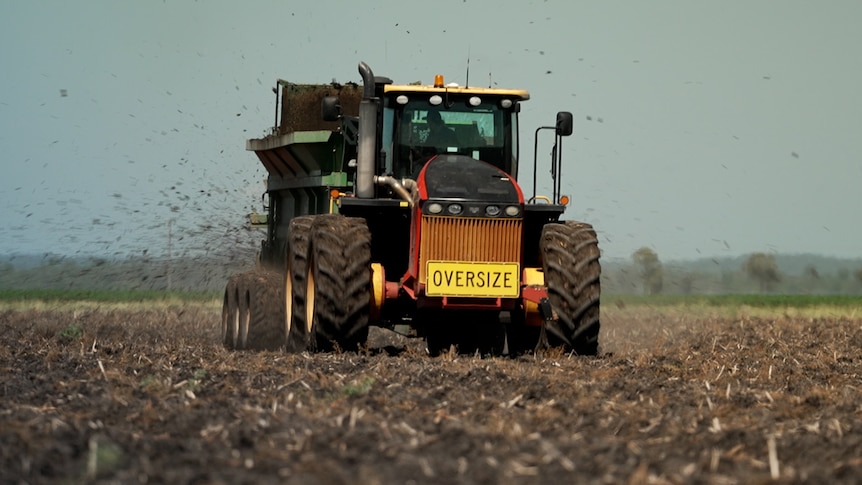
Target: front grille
469,239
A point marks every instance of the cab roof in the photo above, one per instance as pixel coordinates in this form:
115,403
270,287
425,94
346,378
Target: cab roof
519,94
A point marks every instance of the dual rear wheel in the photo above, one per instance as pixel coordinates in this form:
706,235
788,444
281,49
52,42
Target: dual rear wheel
320,302
329,277
252,312
570,260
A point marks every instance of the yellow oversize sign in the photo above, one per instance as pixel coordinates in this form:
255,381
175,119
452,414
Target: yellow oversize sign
487,280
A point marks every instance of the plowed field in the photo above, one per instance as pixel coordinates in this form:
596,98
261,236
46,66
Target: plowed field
137,395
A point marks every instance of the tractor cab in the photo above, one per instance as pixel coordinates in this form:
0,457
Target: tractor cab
420,122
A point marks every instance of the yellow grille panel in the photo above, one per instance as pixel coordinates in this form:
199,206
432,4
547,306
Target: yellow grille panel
469,239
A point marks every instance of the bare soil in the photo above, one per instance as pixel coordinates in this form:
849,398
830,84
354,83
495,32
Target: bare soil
150,396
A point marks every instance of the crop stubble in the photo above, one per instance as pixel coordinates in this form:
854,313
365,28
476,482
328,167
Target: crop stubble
117,395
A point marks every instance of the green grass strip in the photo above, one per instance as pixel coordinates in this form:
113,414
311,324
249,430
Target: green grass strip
112,296
755,301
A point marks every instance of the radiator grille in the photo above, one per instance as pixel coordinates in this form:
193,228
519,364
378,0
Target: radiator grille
469,239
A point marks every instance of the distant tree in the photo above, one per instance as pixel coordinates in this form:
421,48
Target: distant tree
858,275
686,283
762,268
811,272
651,272
811,278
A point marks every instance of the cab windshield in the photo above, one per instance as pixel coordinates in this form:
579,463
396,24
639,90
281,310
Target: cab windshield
421,130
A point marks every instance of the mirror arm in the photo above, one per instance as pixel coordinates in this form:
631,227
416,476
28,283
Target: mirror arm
536,154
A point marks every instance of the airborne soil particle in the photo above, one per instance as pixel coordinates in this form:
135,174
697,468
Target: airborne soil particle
120,396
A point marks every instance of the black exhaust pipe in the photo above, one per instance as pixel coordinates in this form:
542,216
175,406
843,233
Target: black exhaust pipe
367,149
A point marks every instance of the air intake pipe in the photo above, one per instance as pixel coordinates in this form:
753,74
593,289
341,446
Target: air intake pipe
404,188
367,149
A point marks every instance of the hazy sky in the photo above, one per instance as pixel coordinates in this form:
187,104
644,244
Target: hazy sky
701,128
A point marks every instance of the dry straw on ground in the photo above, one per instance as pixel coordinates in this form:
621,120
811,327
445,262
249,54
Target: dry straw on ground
119,395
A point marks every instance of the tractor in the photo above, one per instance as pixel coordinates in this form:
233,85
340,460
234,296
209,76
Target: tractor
398,206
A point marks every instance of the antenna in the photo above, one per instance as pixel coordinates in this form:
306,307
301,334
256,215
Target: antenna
467,81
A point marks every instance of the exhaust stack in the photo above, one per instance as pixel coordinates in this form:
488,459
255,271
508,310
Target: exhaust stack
365,158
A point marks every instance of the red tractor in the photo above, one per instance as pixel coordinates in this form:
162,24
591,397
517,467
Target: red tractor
398,206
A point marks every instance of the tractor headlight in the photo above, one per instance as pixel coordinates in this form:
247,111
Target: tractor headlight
492,210
455,209
435,208
513,211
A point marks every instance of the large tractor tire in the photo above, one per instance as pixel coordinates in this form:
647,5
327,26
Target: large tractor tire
253,311
570,259
243,311
265,311
338,283
230,314
296,326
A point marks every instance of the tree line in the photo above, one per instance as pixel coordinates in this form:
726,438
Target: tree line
642,273
758,272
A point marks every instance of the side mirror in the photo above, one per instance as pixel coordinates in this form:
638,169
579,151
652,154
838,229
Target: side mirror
331,108
564,123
